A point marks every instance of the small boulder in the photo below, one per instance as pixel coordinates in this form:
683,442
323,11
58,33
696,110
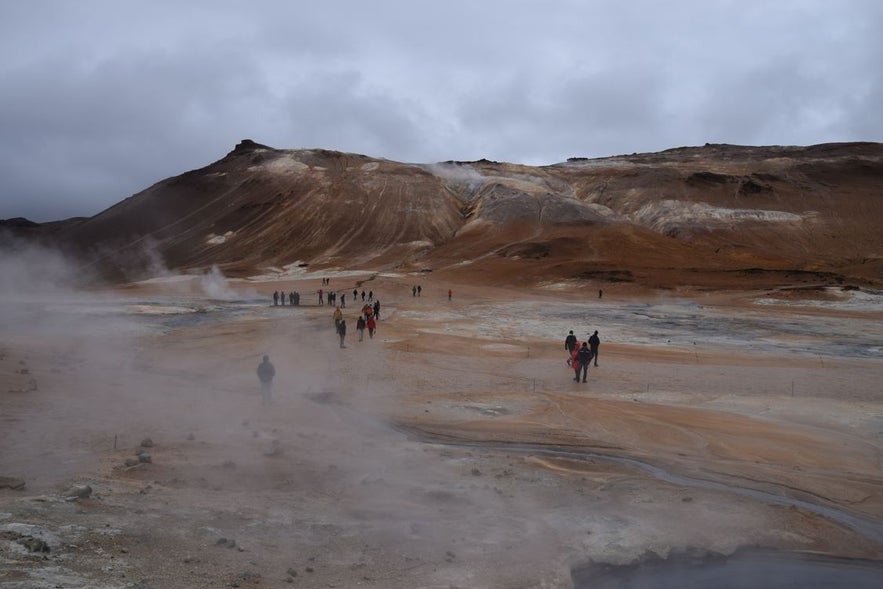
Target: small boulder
12,483
79,492
147,443
132,461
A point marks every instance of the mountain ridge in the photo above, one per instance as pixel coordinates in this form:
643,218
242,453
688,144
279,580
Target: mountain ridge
682,216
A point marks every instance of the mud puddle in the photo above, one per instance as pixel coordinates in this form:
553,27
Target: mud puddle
758,569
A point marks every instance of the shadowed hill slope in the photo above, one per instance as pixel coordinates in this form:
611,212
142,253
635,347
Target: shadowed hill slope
712,216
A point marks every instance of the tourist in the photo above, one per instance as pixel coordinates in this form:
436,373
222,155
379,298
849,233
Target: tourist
266,372
594,342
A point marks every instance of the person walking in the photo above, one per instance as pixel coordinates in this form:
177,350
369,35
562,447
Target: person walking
413,291
338,317
360,326
450,294
343,300
341,331
594,343
266,372
583,359
570,342
355,294
419,290
377,309
371,325
282,298
321,301
275,297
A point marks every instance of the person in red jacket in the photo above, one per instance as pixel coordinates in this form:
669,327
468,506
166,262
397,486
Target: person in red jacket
371,325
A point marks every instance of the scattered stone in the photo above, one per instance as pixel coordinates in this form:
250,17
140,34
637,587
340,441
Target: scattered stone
309,569
291,572
79,492
476,472
686,499
145,457
191,437
12,483
450,556
132,461
34,544
226,543
147,443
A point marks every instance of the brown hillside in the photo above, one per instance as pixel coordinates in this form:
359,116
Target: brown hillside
712,216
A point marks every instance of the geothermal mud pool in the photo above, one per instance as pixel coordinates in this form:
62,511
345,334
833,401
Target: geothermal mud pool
452,450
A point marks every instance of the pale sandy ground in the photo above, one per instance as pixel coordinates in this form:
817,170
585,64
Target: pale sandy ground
452,450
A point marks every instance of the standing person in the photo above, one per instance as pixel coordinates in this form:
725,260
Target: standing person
291,298
450,294
266,372
419,290
341,331
282,298
360,326
377,309
370,295
363,296
372,325
413,291
355,294
343,300
594,343
275,297
600,293
570,342
338,317
320,297
583,359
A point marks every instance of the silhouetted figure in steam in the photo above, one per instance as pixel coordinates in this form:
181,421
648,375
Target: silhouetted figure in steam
266,372
594,343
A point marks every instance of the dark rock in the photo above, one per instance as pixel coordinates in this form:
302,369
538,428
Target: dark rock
34,544
145,457
147,443
291,572
132,461
12,483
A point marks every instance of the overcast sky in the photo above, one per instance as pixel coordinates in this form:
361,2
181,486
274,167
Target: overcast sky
99,99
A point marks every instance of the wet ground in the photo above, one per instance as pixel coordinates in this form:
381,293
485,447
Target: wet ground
453,449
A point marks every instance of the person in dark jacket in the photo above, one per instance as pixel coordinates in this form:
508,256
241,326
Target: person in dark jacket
570,342
266,372
583,359
341,331
594,342
360,326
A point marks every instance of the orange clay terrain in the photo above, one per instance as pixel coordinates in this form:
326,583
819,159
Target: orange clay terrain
732,425
453,449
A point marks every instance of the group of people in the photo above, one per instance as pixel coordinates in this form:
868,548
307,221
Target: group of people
367,320
581,356
279,298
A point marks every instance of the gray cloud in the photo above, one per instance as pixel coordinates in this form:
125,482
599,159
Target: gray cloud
102,99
